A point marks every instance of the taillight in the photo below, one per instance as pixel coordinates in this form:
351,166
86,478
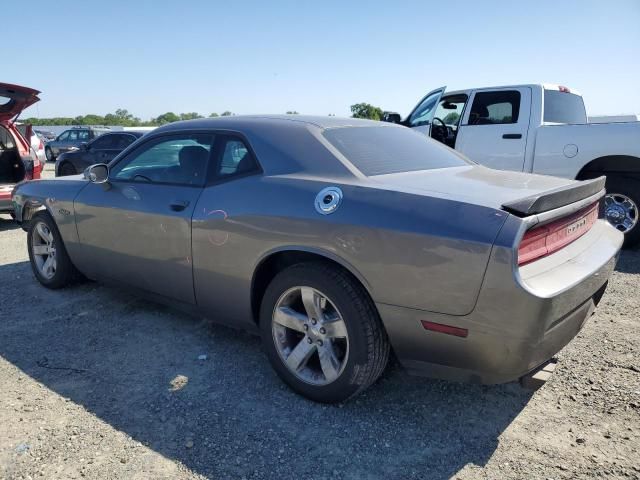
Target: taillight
541,241
41,145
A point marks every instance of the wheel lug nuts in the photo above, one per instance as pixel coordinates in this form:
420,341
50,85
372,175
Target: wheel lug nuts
309,340
319,343
313,321
306,327
323,331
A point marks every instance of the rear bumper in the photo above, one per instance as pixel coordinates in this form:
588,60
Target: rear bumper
523,317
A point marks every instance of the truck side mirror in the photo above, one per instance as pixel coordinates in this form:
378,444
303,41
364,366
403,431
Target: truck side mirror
391,117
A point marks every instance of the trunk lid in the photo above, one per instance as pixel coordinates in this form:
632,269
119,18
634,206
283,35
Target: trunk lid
515,192
14,99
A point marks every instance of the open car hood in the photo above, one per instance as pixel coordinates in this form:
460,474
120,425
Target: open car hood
14,99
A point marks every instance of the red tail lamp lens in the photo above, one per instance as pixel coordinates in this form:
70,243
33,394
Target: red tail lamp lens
541,241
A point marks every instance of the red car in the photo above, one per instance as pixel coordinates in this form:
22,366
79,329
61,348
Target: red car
18,161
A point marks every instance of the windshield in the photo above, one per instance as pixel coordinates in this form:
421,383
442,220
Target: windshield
384,150
562,107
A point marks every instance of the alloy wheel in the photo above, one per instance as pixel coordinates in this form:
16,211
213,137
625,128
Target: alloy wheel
44,250
620,211
310,335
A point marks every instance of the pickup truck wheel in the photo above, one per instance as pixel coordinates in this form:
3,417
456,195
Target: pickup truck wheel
622,207
48,257
322,333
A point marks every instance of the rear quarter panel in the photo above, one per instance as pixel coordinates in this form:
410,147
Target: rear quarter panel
562,150
408,250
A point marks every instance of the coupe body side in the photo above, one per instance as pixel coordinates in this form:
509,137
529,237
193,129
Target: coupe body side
335,240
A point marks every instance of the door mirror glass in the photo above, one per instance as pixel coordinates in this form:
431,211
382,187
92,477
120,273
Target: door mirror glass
391,117
98,173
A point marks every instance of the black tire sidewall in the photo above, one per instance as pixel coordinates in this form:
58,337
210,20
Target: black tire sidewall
67,166
49,156
313,276
631,188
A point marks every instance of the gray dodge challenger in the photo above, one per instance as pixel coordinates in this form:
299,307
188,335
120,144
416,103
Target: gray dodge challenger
337,240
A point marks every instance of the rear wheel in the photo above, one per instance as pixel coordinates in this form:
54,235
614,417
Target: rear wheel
67,169
622,207
49,259
322,333
49,154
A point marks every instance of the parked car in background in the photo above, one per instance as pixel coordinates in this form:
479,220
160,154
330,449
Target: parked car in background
538,129
72,139
18,161
100,150
46,135
37,143
336,239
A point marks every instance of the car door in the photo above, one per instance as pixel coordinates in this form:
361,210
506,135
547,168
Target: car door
136,229
59,142
104,148
494,130
422,115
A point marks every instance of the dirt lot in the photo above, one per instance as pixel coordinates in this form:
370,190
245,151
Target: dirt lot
95,383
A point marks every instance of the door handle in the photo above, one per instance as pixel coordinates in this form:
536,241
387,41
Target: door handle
179,205
512,136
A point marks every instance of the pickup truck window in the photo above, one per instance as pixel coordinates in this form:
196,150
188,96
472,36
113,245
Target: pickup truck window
563,107
495,108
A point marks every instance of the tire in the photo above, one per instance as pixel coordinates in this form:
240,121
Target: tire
355,352
49,154
67,169
43,232
623,198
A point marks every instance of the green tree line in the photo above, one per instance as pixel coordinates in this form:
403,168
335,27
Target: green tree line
122,117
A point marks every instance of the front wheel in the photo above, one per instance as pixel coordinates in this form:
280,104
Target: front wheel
49,259
621,207
67,169
322,333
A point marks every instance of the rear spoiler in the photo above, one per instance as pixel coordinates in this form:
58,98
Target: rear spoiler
556,198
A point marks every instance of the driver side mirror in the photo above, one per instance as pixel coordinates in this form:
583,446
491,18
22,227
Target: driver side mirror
391,117
84,146
98,173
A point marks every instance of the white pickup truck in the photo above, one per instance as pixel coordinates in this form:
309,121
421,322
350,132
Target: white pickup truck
540,129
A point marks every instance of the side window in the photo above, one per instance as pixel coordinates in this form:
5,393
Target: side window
124,141
105,142
83,135
236,158
495,108
6,139
73,136
178,159
424,112
64,136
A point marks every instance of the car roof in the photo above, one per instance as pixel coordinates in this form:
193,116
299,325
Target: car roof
239,121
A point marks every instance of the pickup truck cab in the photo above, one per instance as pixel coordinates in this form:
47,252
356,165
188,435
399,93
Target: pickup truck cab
540,129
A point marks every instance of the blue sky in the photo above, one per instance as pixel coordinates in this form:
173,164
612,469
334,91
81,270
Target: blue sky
314,57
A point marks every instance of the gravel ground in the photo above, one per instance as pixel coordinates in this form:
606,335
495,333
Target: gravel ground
95,383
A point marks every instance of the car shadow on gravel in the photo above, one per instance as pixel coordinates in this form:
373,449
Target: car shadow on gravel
629,261
136,366
8,223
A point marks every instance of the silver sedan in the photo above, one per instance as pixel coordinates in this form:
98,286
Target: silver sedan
336,240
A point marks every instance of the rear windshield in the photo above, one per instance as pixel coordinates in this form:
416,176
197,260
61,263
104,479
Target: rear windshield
384,150
562,107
